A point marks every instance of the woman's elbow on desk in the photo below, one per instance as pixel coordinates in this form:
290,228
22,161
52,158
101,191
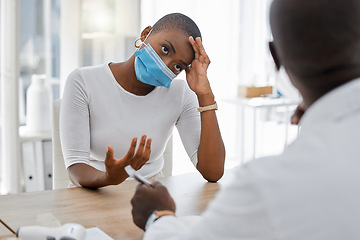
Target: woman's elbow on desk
210,172
211,166
213,176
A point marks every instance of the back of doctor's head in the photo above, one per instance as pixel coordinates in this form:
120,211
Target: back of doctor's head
177,21
316,37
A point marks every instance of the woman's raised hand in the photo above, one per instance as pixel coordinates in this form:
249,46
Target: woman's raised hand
196,73
115,167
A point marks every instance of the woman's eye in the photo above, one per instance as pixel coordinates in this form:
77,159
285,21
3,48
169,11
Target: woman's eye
177,68
165,50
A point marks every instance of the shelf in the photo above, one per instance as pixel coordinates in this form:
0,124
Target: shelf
28,135
261,102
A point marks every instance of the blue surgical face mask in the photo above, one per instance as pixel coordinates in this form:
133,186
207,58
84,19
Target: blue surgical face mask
150,69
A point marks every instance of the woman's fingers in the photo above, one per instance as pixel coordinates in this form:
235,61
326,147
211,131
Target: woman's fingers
140,150
147,150
200,53
131,150
195,47
137,160
109,154
202,50
142,154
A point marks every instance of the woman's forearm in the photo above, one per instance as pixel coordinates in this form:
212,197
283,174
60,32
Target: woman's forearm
86,176
211,152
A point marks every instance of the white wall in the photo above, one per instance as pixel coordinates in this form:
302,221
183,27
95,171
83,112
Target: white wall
10,154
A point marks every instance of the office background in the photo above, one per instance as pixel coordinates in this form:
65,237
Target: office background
56,36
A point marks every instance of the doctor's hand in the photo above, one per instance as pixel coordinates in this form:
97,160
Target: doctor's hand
115,171
196,73
146,200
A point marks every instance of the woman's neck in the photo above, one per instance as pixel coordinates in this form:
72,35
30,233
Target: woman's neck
124,73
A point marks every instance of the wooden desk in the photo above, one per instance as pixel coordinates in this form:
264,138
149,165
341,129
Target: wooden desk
108,208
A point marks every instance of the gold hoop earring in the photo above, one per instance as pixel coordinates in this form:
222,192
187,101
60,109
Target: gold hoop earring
136,41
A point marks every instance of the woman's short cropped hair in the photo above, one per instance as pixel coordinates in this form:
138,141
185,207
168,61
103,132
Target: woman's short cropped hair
175,21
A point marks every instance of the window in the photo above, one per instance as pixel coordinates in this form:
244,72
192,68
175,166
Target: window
39,46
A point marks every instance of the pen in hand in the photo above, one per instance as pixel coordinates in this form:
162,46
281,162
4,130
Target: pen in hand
137,176
9,228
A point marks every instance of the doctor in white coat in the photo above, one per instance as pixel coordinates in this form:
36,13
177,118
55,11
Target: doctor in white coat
311,191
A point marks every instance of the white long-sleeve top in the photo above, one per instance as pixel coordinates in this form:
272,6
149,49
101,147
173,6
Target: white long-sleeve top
96,112
311,191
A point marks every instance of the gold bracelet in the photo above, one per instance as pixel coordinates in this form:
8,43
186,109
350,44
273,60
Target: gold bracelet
164,213
207,108
156,215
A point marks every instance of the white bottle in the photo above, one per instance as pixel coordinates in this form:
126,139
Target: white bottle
38,105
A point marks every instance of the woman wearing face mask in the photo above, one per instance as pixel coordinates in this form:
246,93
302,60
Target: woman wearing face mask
118,114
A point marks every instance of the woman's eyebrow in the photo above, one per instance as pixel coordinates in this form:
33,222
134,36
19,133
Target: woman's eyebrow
185,64
172,46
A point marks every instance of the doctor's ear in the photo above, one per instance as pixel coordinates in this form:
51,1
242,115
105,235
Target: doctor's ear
274,55
144,33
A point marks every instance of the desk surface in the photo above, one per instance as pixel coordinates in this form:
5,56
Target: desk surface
108,208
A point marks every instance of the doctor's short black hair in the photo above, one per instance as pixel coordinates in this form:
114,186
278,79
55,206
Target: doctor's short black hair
175,21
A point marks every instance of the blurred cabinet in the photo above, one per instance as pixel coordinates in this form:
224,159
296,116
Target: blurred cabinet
36,149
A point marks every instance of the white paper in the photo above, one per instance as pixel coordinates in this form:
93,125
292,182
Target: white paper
96,234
